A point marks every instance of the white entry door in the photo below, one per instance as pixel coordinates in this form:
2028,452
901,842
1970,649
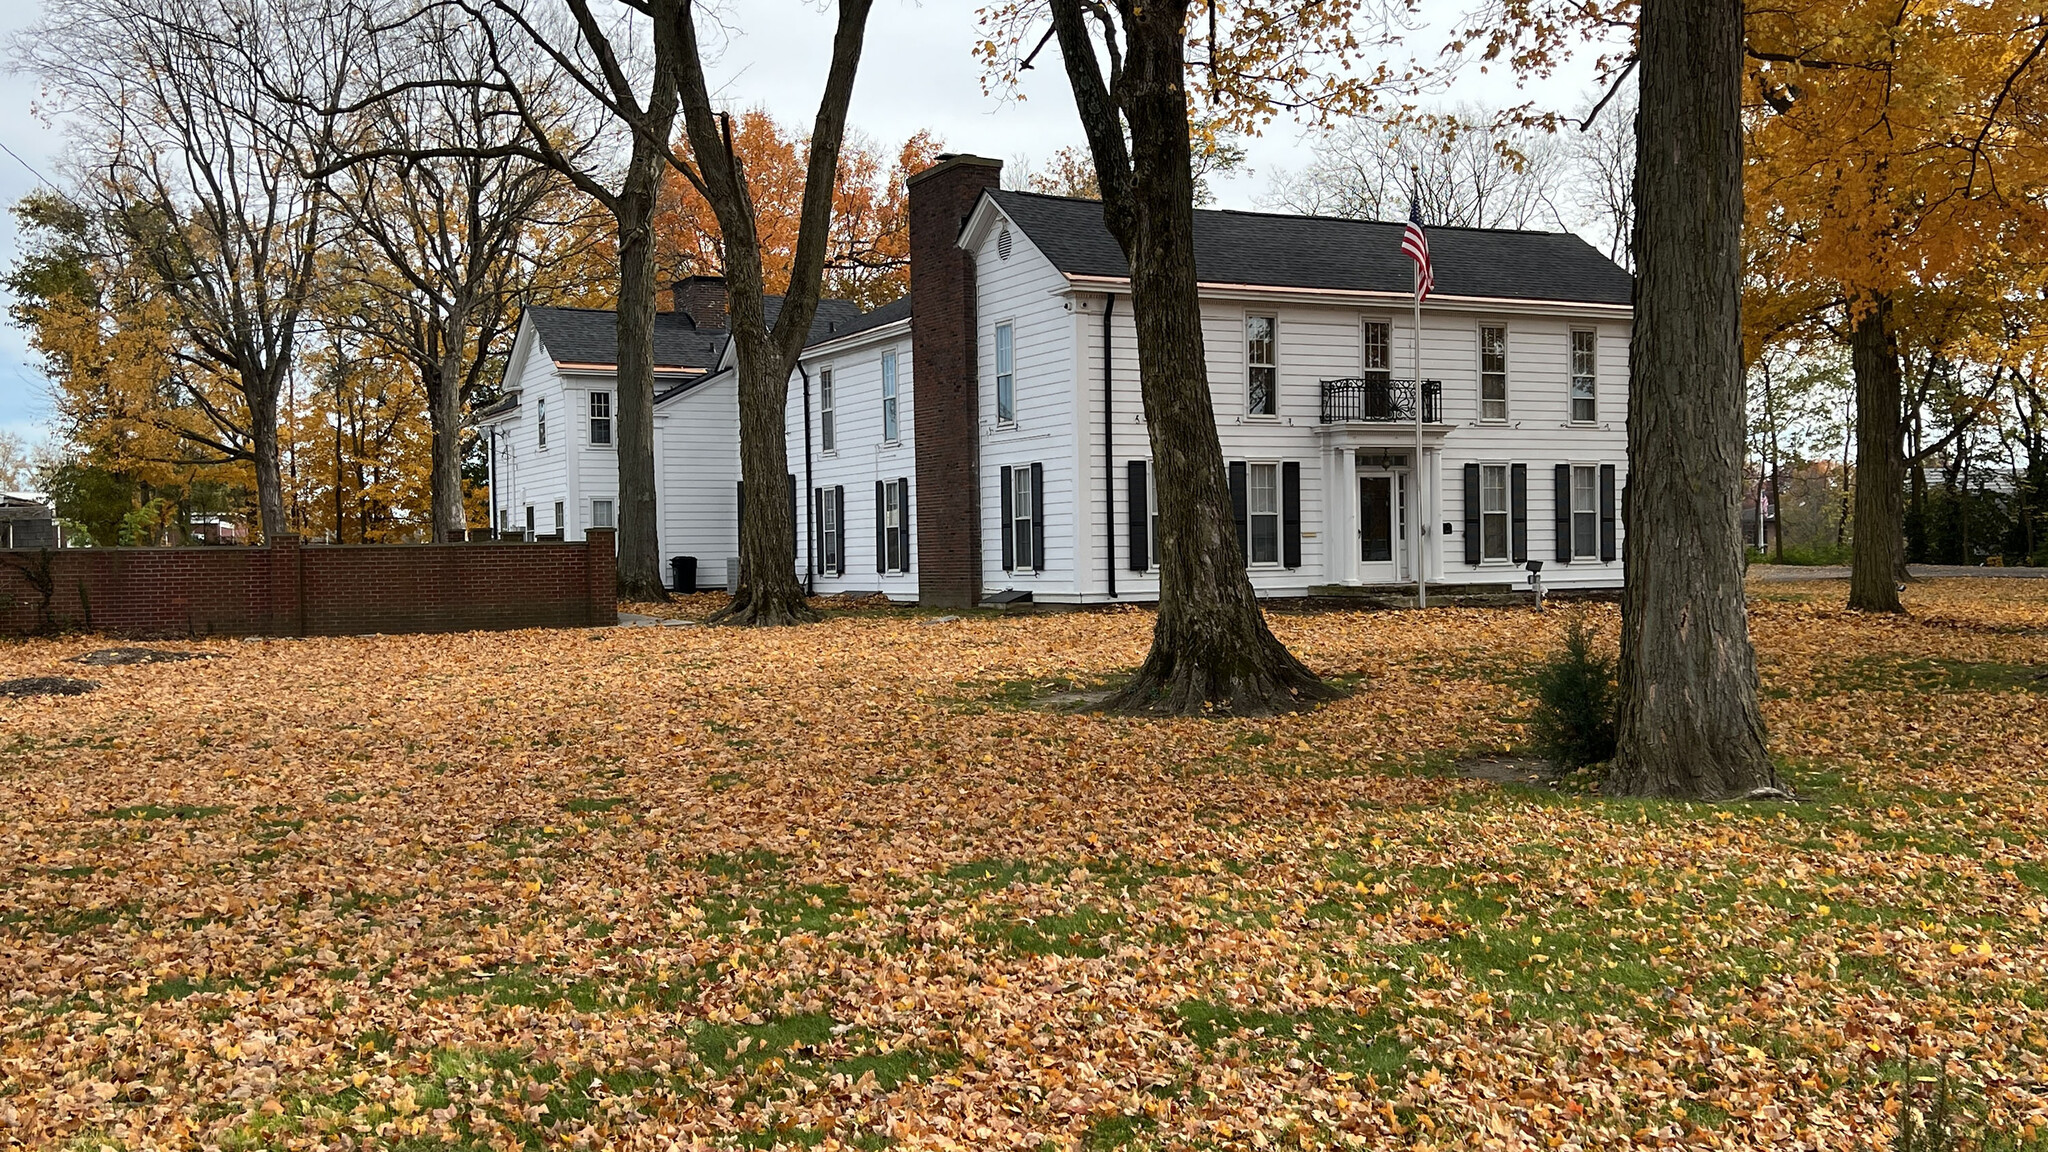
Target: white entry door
1382,527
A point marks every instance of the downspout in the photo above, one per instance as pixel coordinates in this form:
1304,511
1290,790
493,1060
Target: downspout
810,494
1108,442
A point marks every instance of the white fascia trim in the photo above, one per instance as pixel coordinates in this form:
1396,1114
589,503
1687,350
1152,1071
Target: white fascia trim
980,222
893,330
1437,302
694,385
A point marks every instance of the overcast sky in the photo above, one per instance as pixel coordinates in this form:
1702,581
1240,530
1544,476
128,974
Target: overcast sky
918,72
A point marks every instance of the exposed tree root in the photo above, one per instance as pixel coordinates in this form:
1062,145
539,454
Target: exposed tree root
759,609
642,591
1267,681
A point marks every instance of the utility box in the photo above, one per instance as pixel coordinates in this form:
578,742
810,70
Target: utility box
732,575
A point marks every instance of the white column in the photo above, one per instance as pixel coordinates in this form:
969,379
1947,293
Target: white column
1344,535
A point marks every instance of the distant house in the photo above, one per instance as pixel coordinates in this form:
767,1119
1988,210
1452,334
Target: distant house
552,435
27,521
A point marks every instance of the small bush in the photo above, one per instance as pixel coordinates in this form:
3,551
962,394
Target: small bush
1573,725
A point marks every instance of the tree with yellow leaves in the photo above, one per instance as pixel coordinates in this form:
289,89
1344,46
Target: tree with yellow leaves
1897,159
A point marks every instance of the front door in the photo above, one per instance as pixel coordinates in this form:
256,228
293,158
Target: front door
1381,523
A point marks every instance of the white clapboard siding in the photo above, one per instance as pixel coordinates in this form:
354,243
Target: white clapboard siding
860,458
697,473
1027,291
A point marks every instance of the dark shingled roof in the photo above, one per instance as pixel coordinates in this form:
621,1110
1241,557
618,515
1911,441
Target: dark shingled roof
591,335
894,310
1323,252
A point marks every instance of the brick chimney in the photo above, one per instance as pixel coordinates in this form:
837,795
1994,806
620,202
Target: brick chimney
703,299
945,372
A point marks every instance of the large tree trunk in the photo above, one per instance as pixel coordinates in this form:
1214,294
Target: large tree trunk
444,415
638,542
770,593
1878,548
1689,724
262,398
1211,649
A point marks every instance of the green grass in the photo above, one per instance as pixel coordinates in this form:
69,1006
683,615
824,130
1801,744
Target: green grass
158,812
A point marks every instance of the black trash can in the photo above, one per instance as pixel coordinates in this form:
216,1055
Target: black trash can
683,572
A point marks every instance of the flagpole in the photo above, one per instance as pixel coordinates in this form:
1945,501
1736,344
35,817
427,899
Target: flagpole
1415,473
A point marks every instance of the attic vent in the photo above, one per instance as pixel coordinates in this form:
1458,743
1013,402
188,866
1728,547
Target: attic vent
1003,244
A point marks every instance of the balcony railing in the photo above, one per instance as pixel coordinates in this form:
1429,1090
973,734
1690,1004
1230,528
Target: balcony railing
1380,400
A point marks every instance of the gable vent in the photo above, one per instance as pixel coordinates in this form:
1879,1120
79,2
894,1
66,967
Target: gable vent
1003,244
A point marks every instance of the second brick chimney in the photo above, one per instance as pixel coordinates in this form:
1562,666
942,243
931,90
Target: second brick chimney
703,299
946,375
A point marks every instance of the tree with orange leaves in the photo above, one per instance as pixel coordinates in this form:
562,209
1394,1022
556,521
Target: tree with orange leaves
868,254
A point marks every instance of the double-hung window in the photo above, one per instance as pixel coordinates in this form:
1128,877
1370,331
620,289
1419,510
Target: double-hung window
890,431
1585,512
1493,373
601,514
1263,506
829,535
828,438
1006,374
560,527
1262,371
540,422
600,418
1584,408
1376,350
1152,506
1493,512
1022,515
895,501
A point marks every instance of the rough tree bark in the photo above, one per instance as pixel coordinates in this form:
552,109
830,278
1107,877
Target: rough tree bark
1689,724
769,593
1211,650
1878,549
261,393
638,543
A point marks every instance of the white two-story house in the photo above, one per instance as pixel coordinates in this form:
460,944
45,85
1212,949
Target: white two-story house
551,436
1027,468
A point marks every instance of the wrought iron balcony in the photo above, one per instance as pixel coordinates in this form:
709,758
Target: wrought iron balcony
1380,400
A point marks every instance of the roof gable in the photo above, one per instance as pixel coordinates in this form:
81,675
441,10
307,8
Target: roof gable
1320,252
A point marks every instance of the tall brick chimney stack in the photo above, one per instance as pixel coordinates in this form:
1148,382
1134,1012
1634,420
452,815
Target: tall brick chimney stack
946,374
703,299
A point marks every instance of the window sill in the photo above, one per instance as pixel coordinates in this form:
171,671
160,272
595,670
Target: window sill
891,444
1263,417
1002,425
1492,421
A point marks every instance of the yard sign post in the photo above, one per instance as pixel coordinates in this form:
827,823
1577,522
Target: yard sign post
1416,245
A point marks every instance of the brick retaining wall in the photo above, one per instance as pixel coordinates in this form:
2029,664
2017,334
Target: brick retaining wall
289,590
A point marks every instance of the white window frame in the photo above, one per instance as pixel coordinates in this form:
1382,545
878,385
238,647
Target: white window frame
1006,373
600,420
1022,517
1585,385
1500,417
1589,514
605,518
1505,513
540,423
830,562
1152,514
561,518
892,425
895,495
828,431
1253,514
1271,366
1366,326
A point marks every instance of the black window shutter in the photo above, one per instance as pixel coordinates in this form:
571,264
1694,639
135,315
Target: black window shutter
1607,548
1563,515
1241,509
816,563
903,519
1037,517
839,529
740,521
1290,513
881,533
1009,524
1141,516
791,489
1472,514
1518,505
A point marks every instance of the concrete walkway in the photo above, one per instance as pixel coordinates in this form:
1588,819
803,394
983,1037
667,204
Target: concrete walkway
1788,572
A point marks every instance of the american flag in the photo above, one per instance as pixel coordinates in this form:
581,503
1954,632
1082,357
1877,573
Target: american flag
1416,246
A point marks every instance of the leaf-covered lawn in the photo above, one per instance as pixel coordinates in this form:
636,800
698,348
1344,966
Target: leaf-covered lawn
846,886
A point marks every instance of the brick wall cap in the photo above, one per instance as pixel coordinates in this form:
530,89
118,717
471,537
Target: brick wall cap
951,160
